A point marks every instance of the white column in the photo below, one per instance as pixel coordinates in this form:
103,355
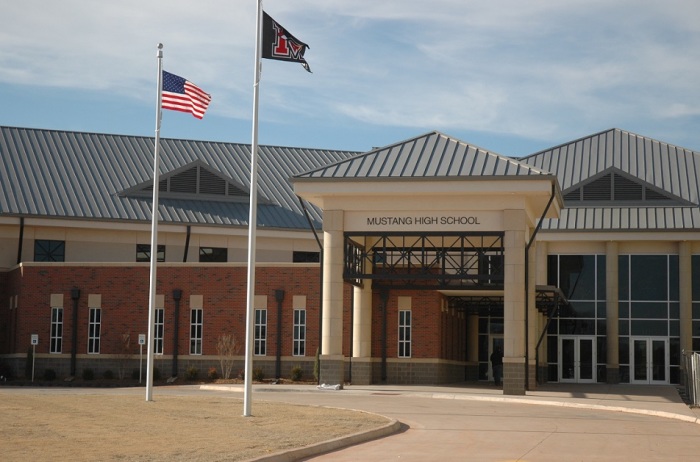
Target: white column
332,329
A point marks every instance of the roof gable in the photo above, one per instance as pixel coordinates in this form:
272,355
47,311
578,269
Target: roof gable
433,155
195,180
669,170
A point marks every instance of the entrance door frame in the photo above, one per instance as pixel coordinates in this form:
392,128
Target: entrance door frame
577,339
494,340
649,340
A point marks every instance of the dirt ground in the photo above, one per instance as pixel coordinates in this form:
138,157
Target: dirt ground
80,426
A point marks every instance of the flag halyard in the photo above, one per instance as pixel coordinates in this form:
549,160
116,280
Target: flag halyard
279,44
182,95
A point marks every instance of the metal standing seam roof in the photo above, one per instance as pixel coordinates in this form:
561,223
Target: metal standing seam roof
671,169
63,174
433,155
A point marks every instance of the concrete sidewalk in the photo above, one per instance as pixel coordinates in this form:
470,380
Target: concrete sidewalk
555,422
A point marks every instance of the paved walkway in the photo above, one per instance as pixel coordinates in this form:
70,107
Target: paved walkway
477,422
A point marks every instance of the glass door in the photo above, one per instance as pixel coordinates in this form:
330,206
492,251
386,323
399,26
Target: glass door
496,341
649,360
577,359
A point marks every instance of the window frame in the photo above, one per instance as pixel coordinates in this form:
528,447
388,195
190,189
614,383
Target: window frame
260,337
158,331
404,340
299,332
196,331
51,250
94,330
56,331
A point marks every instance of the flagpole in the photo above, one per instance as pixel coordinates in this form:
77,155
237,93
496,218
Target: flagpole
252,226
154,231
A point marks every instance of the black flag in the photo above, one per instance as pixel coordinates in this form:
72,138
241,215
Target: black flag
278,43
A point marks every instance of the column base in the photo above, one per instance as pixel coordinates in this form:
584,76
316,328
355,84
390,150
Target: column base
361,371
332,370
612,375
513,376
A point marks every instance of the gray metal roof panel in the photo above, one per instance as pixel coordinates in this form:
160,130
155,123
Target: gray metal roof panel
670,168
422,157
81,175
625,219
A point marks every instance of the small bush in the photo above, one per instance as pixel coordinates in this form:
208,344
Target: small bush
88,374
191,373
212,374
297,372
258,374
108,374
49,375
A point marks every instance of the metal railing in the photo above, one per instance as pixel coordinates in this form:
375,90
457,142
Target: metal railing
691,376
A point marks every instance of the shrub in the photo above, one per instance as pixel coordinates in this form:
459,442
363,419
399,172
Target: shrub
88,374
108,374
49,375
258,374
212,374
296,373
191,373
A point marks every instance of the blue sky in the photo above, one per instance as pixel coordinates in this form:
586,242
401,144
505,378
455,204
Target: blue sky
511,76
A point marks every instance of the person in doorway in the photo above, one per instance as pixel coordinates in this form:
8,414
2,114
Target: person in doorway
497,365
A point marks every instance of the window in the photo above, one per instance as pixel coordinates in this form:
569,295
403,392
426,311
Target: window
46,250
196,316
299,343
306,257
143,253
94,327
260,332
404,334
158,331
213,254
56,345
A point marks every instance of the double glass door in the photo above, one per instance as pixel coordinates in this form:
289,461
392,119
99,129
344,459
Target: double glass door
649,360
577,359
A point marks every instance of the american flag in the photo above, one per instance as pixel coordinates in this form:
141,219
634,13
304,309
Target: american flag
182,95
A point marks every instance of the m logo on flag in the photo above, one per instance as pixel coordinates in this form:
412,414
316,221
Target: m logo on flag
279,44
182,95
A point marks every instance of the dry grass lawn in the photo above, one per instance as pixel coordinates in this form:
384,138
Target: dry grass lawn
37,425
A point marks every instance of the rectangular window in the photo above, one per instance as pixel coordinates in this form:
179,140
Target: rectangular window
299,344
196,317
48,250
56,330
94,328
306,257
158,331
404,333
213,254
143,253
260,332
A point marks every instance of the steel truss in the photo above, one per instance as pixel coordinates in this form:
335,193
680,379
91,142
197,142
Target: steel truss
428,260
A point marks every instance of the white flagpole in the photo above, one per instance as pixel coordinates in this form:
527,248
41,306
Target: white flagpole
252,225
154,231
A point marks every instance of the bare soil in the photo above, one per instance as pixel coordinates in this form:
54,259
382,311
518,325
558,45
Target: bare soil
121,425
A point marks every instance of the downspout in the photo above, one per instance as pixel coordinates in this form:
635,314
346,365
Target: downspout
320,285
75,296
527,283
187,243
21,239
177,296
279,297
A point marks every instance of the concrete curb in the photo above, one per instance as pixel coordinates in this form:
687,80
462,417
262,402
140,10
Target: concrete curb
394,426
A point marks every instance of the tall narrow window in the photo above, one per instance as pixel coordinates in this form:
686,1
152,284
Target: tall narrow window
260,332
94,328
404,334
56,330
299,344
158,331
196,317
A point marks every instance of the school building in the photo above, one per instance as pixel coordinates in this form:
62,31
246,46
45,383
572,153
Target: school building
407,264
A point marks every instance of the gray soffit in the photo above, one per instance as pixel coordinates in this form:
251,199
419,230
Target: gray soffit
433,155
74,175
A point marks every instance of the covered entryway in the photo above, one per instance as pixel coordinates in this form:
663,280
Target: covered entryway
430,215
